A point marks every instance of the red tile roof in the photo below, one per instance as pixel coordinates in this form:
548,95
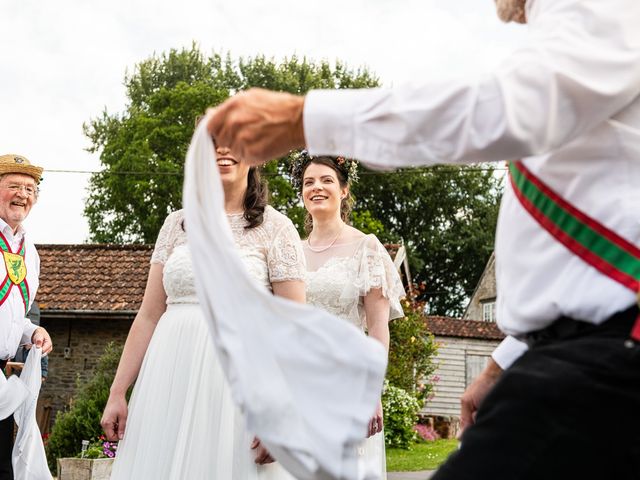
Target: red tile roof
98,278
454,327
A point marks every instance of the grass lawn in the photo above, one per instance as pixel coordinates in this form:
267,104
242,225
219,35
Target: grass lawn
422,456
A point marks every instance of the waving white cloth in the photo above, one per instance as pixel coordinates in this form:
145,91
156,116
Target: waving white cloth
306,381
19,395
12,393
29,459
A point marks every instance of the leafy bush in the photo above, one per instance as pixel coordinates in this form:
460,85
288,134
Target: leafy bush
82,420
400,415
411,352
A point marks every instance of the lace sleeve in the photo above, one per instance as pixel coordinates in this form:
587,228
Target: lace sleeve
285,257
167,237
378,271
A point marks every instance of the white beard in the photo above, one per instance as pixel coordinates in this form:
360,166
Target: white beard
511,10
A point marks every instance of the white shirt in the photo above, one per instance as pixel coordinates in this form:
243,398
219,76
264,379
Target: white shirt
15,327
567,103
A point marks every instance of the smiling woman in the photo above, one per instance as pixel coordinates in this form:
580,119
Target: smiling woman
349,274
182,421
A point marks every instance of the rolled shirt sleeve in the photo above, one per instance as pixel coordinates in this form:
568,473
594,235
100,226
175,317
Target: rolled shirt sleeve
509,350
581,66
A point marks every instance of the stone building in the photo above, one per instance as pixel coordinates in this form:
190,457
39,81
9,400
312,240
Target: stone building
88,297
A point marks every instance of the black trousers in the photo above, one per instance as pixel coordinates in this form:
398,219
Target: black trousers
568,409
6,447
6,442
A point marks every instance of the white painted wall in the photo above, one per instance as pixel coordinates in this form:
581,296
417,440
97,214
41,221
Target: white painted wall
453,360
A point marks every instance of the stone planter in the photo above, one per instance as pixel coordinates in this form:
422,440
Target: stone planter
84,468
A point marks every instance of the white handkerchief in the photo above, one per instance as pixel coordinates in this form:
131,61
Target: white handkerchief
306,381
12,393
29,459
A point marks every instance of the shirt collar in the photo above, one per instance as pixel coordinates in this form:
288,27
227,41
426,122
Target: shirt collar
6,229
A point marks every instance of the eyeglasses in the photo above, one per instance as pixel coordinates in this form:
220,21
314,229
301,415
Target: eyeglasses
29,191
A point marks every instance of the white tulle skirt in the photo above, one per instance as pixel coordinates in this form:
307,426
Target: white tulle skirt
371,457
182,420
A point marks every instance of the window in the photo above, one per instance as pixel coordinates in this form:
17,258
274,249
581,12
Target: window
474,365
489,311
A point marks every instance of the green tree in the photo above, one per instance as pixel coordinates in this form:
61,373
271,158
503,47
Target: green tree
447,216
142,149
412,349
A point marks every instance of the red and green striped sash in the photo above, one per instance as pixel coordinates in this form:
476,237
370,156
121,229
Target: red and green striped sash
594,243
10,280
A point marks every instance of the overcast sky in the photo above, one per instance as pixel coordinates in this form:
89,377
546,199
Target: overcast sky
63,62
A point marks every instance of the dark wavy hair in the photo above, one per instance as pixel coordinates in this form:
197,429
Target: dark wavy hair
255,199
346,204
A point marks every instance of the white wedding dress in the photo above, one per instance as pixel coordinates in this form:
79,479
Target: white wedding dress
337,280
182,421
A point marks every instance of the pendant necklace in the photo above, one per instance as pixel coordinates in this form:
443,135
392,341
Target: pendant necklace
322,249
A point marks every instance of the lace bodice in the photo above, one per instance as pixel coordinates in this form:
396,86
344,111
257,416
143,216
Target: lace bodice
340,277
271,252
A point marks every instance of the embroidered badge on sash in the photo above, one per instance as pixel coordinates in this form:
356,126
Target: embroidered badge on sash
16,272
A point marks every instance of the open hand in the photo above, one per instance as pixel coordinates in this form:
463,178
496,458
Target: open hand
476,393
376,422
114,418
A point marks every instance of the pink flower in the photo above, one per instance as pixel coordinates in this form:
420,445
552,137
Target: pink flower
426,432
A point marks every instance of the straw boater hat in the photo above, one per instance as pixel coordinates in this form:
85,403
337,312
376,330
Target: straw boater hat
18,164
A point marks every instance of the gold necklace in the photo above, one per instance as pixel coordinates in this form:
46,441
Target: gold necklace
322,249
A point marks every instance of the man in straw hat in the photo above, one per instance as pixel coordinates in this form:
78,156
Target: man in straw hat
20,269
565,108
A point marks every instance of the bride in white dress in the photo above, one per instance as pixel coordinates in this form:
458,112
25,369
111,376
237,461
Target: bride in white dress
181,422
350,274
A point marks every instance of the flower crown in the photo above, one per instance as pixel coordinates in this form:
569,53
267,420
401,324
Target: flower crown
300,160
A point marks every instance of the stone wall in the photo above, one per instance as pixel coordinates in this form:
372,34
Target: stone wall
86,338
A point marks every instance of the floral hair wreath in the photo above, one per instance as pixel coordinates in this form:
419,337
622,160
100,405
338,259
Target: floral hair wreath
300,160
